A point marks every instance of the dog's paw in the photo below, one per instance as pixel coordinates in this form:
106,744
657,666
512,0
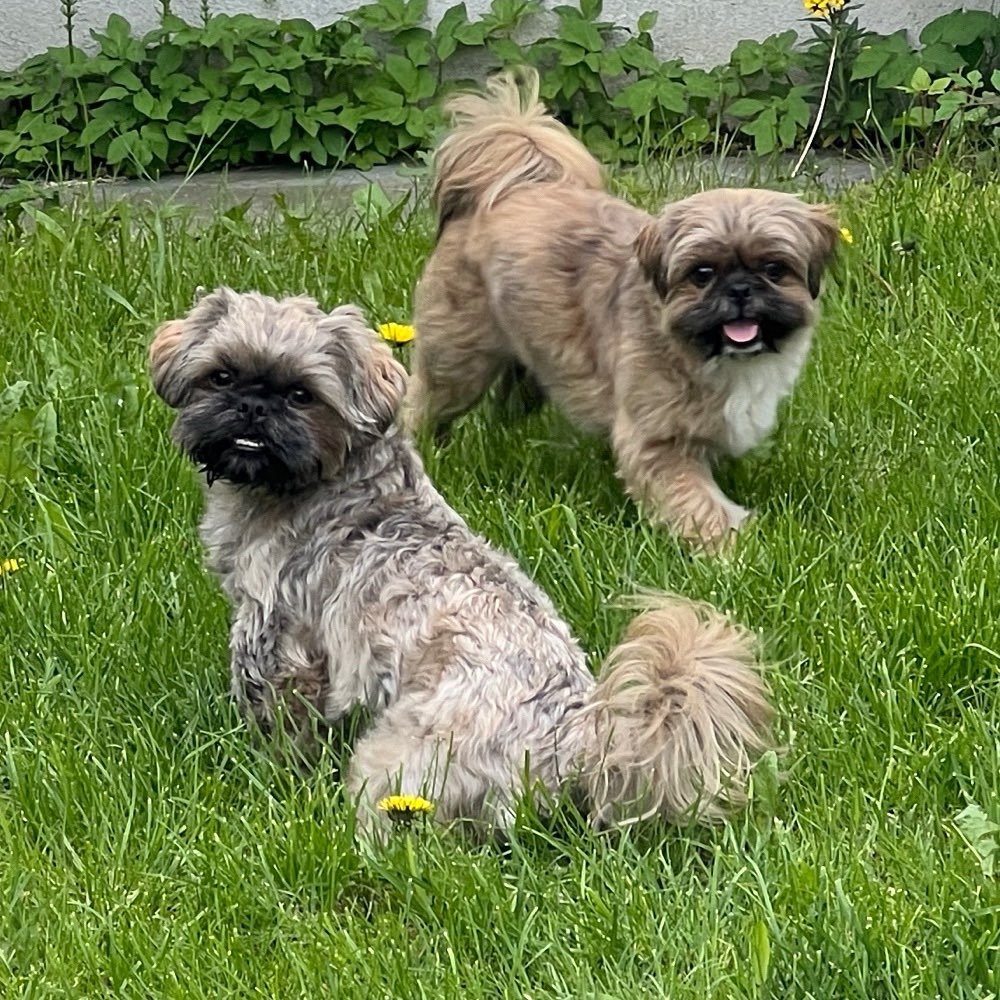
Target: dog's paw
716,531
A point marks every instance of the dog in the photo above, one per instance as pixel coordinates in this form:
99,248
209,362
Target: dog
676,335
355,586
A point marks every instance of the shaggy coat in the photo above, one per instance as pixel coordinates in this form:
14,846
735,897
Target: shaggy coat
355,586
676,335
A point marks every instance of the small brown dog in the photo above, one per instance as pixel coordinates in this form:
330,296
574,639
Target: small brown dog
677,334
355,586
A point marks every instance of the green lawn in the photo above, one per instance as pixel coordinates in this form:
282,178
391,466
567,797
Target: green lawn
148,849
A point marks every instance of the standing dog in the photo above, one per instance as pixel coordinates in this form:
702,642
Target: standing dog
677,335
353,584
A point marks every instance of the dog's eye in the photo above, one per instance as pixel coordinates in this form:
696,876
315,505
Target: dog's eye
702,275
774,270
221,378
300,396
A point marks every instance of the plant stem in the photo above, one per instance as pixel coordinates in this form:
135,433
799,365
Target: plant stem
68,10
822,105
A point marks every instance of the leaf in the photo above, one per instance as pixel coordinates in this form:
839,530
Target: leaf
581,33
267,117
210,117
961,27
193,95
637,56
696,130
748,57
265,80
45,221
672,96
744,107
760,951
44,427
169,59
46,132
797,110
212,80
155,138
335,142
920,81
982,835
403,72
54,528
939,59
120,299
10,398
471,34
118,28
788,130
639,98
121,146
701,84
126,78
766,783
94,129
306,122
917,117
869,61
647,20
113,93
764,131
281,132
445,38
144,103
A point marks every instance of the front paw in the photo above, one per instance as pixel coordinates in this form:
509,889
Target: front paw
714,530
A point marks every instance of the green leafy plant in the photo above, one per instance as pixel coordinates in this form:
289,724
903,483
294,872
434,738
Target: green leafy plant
241,90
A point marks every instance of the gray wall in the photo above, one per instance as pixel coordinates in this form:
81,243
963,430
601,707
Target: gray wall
702,32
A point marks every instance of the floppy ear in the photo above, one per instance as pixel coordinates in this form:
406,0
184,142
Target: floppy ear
381,387
650,250
162,354
375,381
166,352
825,238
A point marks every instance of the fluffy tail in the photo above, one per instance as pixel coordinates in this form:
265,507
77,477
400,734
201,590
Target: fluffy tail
501,140
678,717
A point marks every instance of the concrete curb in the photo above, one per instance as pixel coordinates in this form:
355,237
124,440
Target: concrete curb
333,189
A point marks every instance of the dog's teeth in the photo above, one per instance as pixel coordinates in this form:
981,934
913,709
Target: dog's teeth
249,444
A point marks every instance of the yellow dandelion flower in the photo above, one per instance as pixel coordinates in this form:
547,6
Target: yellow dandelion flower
404,808
847,236
10,565
822,8
396,333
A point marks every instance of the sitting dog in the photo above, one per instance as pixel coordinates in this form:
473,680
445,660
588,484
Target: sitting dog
677,335
353,584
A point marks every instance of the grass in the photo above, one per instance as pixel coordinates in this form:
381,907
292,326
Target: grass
148,849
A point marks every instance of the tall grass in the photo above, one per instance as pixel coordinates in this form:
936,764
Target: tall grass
147,848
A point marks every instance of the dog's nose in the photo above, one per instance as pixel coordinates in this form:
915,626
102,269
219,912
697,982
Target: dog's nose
250,408
739,291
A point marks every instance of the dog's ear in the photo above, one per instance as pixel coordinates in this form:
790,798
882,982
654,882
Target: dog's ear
651,251
381,388
170,343
162,354
824,238
375,380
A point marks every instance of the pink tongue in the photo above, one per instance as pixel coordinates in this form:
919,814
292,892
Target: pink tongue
741,333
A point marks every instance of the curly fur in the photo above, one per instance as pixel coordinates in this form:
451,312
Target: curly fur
363,589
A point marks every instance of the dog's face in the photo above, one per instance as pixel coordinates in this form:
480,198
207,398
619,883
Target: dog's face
274,394
738,271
